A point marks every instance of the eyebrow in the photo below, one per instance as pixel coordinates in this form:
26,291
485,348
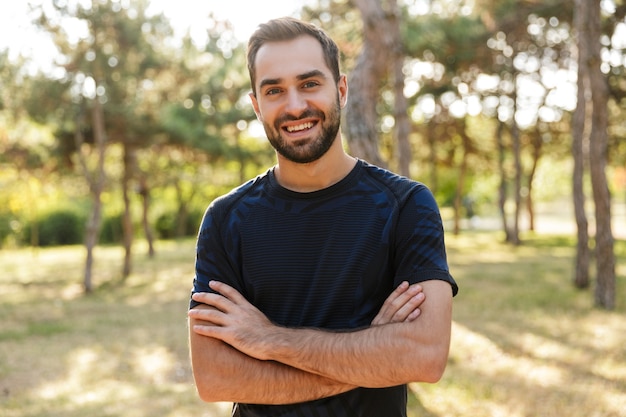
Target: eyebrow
311,74
300,77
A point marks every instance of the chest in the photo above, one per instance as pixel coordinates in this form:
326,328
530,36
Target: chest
319,267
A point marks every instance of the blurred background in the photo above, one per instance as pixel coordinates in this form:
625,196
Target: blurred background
121,120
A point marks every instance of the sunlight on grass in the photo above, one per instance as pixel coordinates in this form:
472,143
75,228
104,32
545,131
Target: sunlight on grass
154,362
525,343
121,351
479,354
543,380
85,367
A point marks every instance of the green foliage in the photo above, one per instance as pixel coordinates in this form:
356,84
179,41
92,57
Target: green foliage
183,106
173,224
457,42
111,230
56,228
5,226
165,225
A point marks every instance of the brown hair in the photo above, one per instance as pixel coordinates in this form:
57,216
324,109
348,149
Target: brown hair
286,29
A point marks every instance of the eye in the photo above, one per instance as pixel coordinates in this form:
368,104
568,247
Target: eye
310,84
272,91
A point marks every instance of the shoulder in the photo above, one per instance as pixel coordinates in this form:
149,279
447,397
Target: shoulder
234,202
402,188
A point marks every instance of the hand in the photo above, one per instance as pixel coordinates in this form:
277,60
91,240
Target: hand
401,305
232,319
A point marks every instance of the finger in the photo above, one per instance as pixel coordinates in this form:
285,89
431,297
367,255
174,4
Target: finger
207,329
227,291
209,316
388,304
415,314
401,295
399,298
400,305
409,311
217,301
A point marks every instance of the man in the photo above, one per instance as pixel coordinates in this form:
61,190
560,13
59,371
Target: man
301,304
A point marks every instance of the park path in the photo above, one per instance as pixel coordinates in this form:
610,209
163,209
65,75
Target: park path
552,218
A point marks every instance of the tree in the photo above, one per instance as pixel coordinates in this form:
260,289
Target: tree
207,115
26,154
402,124
96,179
106,70
598,154
380,40
127,51
579,133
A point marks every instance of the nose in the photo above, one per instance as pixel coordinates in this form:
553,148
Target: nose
296,103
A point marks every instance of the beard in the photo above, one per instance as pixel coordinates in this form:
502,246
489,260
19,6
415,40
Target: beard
308,149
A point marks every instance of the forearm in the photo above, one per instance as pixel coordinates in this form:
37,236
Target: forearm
222,373
379,356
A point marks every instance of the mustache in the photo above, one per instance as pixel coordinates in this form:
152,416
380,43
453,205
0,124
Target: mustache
305,114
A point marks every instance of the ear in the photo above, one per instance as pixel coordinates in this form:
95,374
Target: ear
342,88
255,106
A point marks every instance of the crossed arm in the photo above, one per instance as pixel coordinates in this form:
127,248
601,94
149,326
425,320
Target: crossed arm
238,355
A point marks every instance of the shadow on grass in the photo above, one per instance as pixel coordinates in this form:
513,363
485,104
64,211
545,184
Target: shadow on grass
525,341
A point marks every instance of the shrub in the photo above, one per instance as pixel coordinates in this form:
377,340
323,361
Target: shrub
167,224
56,228
112,230
5,226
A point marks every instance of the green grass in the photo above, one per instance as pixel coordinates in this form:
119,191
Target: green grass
525,342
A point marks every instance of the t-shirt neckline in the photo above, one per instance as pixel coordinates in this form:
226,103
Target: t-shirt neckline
344,182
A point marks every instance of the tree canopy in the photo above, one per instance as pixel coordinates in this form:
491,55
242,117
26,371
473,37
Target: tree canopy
137,125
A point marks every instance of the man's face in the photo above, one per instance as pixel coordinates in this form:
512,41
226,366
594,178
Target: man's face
297,99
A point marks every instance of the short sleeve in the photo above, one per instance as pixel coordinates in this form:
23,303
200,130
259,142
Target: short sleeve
420,252
213,262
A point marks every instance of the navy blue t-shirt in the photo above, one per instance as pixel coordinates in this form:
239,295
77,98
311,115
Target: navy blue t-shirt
326,259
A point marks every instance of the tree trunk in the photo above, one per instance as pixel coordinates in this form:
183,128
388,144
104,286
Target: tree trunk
605,257
182,212
460,184
96,186
431,137
537,143
144,192
502,187
517,158
583,255
371,68
127,220
402,126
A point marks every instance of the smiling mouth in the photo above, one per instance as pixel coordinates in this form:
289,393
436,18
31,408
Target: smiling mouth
300,127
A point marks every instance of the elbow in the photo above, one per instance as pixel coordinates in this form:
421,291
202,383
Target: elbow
433,367
433,373
205,392
209,385
207,396
215,387
208,393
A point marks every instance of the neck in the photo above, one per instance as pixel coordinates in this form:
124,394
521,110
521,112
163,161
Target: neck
317,175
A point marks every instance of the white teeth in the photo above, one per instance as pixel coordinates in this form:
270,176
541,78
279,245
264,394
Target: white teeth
302,126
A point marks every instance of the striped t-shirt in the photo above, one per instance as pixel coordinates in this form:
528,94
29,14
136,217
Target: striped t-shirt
326,259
